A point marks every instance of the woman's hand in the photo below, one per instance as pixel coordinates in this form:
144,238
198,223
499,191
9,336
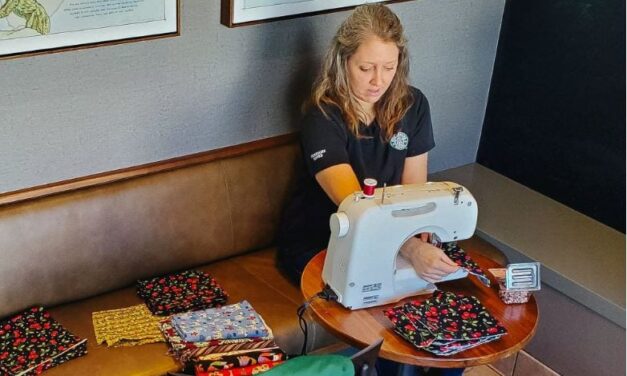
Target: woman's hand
430,263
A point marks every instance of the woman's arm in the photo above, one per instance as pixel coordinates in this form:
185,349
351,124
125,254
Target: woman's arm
338,182
415,169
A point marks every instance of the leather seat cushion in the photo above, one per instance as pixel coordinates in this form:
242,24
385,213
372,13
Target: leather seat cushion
251,276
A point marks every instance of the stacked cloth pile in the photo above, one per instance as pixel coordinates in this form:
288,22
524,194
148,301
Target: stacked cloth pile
231,340
32,341
445,323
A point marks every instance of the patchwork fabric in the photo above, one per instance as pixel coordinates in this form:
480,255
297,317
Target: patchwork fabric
445,323
32,342
238,320
459,256
186,351
127,326
181,292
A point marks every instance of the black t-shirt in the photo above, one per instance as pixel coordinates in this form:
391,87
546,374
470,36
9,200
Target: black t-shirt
325,142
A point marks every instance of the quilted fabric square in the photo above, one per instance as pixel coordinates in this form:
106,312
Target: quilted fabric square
452,316
186,351
127,326
32,341
239,320
445,323
180,292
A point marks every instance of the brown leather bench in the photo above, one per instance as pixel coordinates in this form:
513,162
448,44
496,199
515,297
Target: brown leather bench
82,250
80,246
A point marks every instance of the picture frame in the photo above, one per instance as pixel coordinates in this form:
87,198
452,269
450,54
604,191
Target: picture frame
30,27
236,13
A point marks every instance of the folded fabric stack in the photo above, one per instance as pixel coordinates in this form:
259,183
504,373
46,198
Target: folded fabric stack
126,326
230,340
181,292
445,323
32,342
459,256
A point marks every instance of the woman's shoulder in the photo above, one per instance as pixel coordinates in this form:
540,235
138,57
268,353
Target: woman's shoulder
417,94
325,113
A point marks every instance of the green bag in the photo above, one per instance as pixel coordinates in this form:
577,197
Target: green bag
314,365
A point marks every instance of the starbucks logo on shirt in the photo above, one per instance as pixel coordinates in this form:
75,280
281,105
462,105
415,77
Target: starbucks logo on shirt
399,141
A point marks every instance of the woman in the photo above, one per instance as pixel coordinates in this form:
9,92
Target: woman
363,120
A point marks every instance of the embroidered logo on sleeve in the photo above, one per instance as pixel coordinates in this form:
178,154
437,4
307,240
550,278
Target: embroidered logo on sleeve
317,155
399,141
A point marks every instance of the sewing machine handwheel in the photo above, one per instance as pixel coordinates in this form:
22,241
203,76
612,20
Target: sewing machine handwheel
339,224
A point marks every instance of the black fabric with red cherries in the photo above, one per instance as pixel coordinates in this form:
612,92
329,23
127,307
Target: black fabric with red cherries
459,256
446,323
181,292
32,341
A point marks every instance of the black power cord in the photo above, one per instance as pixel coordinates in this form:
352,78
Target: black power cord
326,294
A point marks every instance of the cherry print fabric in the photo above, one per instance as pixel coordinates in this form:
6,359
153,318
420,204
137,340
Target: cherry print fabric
32,341
445,323
181,292
459,256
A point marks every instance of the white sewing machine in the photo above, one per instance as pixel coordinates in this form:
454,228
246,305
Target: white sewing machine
363,266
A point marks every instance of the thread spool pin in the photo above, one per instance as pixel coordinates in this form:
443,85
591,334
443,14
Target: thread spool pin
369,186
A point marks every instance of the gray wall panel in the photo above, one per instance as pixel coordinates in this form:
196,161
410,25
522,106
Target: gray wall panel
76,113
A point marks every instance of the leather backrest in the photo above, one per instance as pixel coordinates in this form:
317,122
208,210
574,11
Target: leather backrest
82,243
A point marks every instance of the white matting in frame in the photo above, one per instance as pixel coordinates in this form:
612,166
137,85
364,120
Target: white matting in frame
39,25
255,10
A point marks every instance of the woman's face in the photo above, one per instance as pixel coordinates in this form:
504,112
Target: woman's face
371,70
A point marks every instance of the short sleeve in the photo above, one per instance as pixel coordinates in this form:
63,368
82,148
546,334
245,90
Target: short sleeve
324,141
418,127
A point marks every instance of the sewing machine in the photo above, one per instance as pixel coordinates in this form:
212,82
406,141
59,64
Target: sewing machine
363,265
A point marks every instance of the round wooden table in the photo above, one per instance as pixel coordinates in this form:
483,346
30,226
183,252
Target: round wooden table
362,327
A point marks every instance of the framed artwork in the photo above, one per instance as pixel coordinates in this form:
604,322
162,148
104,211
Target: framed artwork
38,26
245,12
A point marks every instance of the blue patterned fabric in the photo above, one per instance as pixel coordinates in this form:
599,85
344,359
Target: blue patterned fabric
233,321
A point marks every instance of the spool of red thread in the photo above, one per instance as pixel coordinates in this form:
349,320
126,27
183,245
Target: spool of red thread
369,186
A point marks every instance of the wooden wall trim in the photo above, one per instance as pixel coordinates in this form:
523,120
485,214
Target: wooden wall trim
142,170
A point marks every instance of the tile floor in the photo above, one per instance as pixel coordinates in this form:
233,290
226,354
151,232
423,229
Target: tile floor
481,371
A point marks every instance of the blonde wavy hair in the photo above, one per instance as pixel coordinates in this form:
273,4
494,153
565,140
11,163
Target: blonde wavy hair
332,85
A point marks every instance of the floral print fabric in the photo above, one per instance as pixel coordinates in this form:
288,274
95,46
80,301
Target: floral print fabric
242,371
32,342
445,323
181,292
459,256
126,326
229,322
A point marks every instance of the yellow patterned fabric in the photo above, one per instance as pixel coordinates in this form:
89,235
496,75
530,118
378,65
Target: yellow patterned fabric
127,326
